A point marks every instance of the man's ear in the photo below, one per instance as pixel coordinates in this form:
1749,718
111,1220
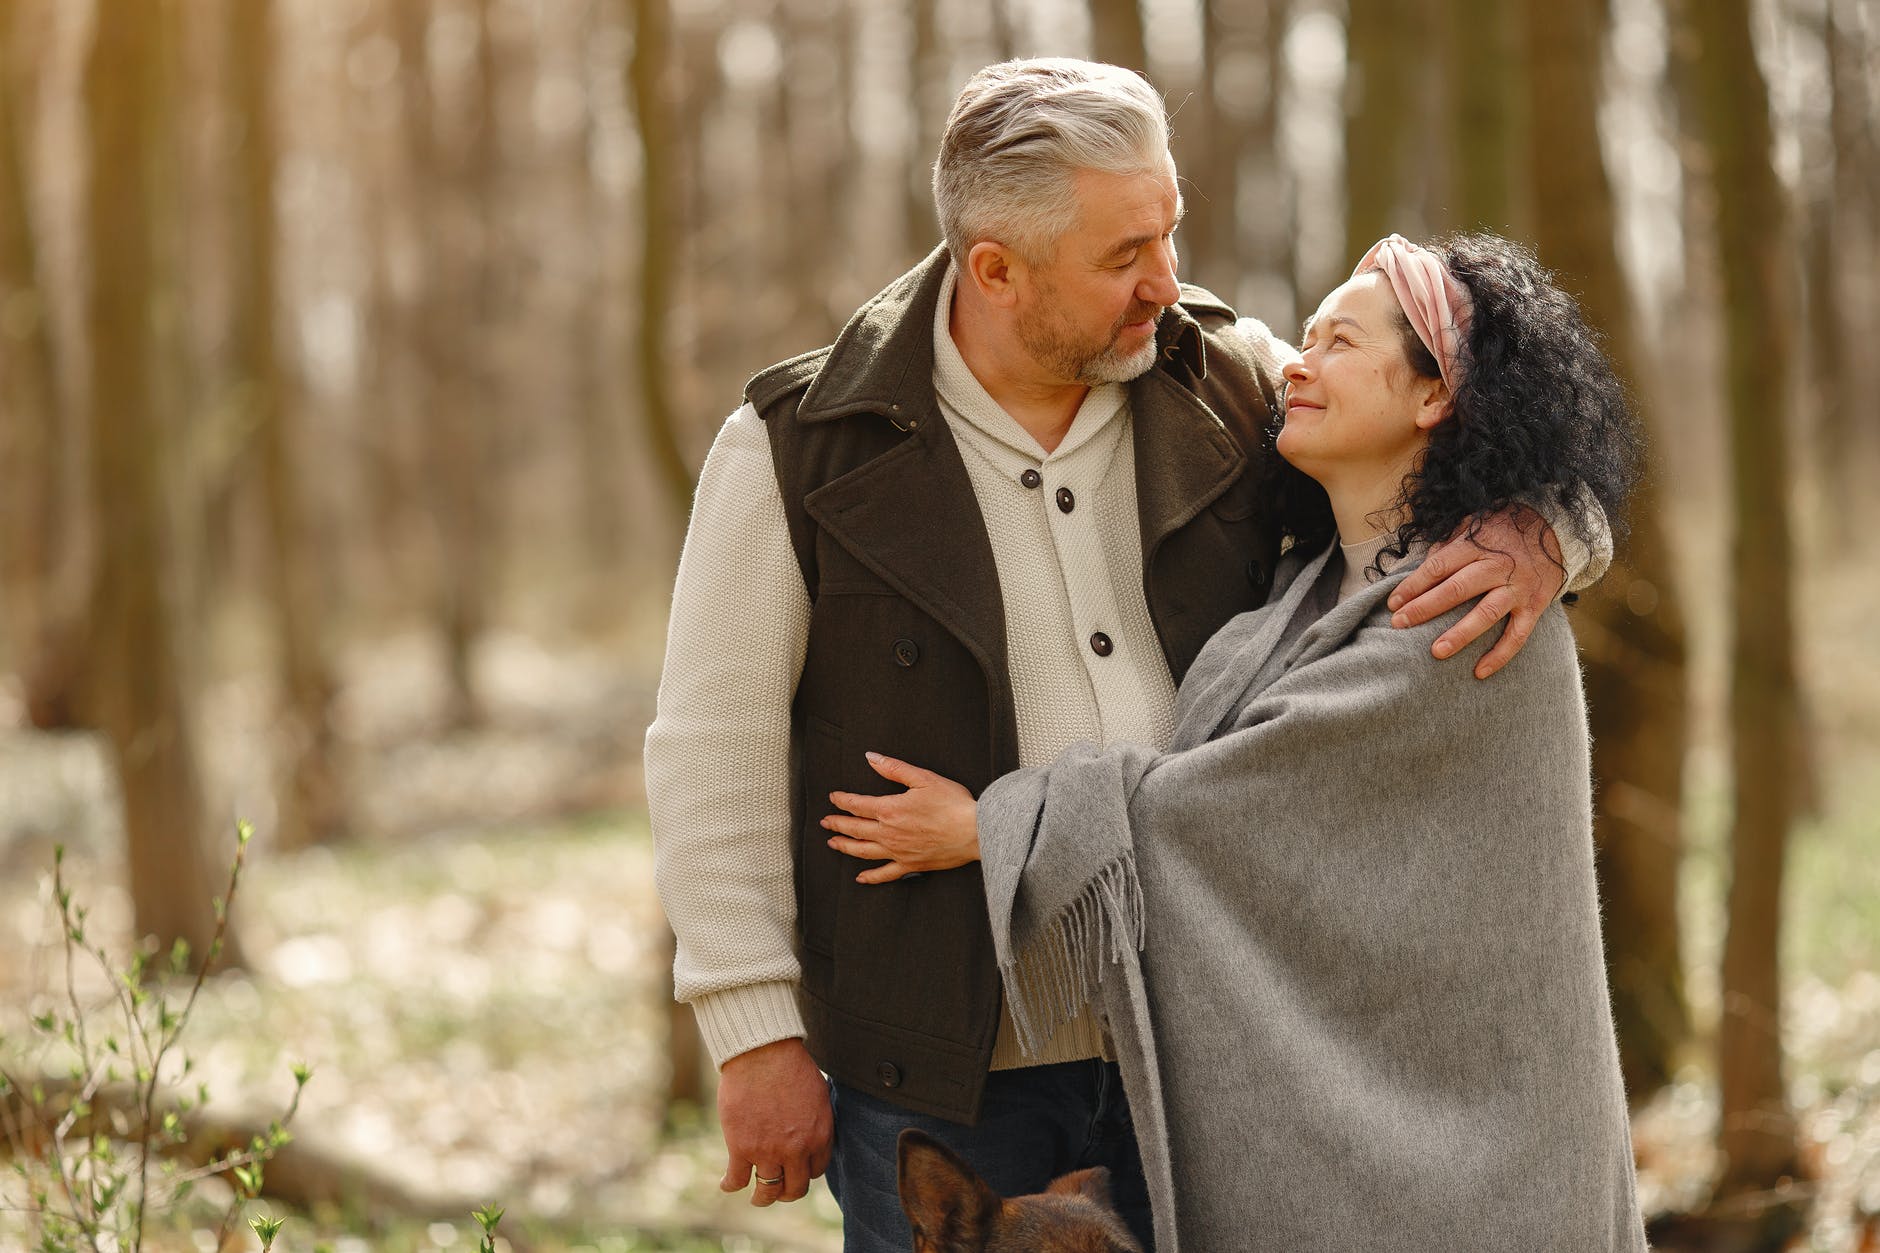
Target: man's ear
995,271
947,1205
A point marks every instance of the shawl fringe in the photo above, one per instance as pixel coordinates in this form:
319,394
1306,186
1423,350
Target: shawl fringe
1058,973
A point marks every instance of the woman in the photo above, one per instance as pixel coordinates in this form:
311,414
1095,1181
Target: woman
1344,928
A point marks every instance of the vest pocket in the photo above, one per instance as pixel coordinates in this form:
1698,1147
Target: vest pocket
818,867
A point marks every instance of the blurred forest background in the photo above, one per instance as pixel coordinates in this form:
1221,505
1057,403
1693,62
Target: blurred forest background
355,360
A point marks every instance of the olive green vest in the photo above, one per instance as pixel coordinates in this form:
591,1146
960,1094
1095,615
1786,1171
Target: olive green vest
907,646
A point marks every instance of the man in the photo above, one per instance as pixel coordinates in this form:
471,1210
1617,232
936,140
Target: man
1001,514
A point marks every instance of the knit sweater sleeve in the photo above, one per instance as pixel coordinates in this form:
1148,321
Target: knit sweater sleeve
1585,539
718,751
1580,526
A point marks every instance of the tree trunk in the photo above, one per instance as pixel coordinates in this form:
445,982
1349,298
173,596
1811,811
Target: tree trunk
1275,239
1833,241
1116,34
379,502
30,444
40,587
310,802
1214,183
1757,1133
1480,102
925,66
818,77
438,316
134,683
1854,45
1206,158
844,171
1632,626
685,1048
789,172
462,435
1004,35
649,91
208,472
1828,368
597,434
1383,40
653,110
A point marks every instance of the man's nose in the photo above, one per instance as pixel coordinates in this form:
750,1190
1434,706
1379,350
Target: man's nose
1161,285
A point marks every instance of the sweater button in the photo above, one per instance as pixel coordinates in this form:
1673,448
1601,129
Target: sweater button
1100,645
889,1074
906,652
1031,478
1066,501
1256,575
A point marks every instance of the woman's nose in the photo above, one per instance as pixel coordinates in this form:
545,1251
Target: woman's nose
1294,371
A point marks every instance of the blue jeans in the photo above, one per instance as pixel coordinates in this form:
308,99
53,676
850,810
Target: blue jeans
1037,1122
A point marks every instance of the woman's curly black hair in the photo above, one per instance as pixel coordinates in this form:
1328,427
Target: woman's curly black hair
1540,415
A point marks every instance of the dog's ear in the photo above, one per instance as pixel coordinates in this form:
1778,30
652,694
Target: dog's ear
947,1204
1093,1183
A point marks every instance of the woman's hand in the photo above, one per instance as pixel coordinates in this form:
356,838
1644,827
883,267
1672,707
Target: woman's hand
934,825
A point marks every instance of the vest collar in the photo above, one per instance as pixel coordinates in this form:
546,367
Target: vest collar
882,362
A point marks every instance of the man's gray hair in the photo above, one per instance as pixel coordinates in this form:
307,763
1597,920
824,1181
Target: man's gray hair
1016,138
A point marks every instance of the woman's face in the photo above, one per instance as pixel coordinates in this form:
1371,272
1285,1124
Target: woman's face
1353,404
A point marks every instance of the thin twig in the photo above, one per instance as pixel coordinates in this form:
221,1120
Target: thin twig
251,1157
72,934
167,1038
40,1211
69,935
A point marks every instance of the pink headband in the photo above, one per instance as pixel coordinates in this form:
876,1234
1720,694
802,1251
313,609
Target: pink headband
1436,305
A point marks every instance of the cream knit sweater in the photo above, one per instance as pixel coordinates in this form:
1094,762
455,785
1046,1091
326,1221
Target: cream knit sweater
718,772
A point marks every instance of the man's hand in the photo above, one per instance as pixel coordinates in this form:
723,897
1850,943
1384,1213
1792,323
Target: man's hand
773,1105
1513,564
934,825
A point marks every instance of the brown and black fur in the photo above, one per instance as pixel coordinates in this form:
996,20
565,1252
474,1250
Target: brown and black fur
952,1210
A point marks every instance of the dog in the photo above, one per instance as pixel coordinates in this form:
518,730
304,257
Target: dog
953,1210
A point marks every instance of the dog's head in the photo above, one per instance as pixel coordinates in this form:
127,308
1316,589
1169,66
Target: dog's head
952,1210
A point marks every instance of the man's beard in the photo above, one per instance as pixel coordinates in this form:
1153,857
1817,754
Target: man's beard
1054,346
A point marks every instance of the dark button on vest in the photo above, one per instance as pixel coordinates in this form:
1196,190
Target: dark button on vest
1066,501
889,1074
1100,645
906,652
1031,478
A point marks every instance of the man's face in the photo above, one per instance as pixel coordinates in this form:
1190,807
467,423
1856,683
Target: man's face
1089,314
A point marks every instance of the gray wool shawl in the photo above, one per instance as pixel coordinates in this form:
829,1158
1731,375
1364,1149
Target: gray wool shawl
1345,933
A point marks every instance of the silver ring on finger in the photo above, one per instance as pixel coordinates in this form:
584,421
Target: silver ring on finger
768,1183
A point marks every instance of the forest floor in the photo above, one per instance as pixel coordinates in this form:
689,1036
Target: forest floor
478,985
